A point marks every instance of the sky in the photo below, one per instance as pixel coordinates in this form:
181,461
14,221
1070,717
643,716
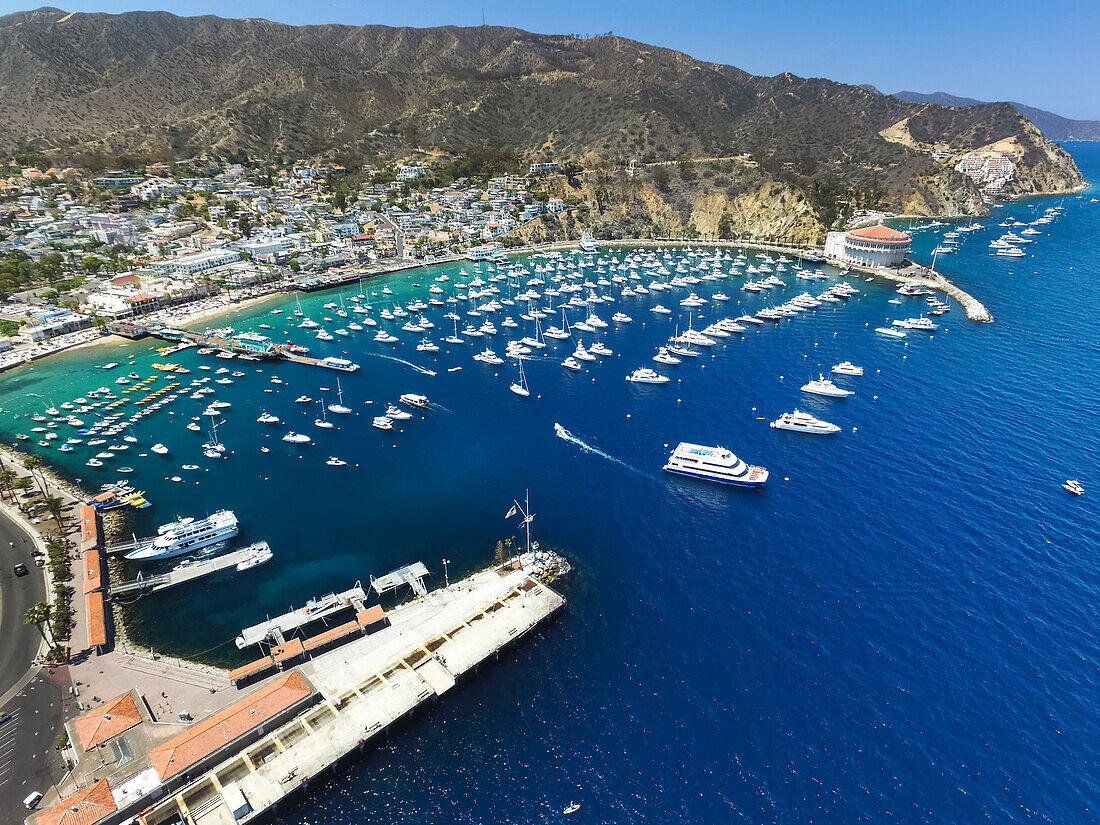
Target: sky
1037,53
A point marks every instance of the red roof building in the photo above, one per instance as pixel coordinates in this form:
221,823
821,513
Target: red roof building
85,807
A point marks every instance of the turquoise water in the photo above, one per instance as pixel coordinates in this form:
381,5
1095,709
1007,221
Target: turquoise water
901,627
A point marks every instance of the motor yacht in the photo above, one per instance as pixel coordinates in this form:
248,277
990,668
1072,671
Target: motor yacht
847,368
644,375
801,422
824,386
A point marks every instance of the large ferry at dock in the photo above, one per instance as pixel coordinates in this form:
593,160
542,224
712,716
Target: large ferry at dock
187,535
714,464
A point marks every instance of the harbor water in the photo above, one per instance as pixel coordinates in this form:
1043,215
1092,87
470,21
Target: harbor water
900,626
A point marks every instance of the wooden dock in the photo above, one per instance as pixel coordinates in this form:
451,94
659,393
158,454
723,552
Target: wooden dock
186,573
276,352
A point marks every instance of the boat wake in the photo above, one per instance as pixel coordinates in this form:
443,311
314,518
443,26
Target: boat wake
406,363
565,435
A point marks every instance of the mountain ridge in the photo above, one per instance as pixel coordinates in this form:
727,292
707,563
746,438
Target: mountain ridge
154,83
1053,126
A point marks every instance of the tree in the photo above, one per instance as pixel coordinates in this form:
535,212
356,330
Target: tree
7,477
55,506
40,615
21,485
34,462
91,264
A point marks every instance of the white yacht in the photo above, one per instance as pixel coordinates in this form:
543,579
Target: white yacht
186,535
296,438
714,464
268,418
487,356
254,559
890,331
823,386
414,400
571,363
621,318
847,368
663,356
801,422
382,422
644,375
396,413
159,449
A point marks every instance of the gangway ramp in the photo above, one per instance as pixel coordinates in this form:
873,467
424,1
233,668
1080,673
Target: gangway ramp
412,575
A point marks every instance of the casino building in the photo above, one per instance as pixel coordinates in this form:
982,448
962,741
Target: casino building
872,246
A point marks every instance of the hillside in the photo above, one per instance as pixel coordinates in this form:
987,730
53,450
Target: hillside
1054,127
158,85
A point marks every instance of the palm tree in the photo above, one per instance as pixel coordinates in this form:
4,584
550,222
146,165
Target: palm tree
7,477
40,615
22,484
34,462
55,505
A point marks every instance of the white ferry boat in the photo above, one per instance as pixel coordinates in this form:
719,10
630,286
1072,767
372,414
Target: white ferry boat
714,464
801,422
341,364
589,244
187,535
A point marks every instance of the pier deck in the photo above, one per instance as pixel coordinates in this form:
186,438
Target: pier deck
276,629
174,577
360,690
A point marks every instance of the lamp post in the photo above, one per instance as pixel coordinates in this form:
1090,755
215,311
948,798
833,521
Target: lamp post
446,577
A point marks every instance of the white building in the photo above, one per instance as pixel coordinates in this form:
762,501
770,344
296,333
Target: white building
540,168
202,261
872,246
410,172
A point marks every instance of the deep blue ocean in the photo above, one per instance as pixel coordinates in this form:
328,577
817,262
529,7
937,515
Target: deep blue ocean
902,626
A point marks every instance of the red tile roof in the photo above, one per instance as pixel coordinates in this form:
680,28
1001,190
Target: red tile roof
93,571
331,635
95,613
287,650
228,724
89,526
880,233
103,723
370,615
85,807
251,669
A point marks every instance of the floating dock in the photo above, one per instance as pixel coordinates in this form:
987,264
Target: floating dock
276,630
188,572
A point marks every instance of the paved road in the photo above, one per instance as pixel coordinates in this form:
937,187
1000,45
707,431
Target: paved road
29,760
18,642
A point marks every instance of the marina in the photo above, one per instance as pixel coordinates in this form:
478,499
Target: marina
918,398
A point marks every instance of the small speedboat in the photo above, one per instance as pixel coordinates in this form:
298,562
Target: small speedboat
1073,486
335,462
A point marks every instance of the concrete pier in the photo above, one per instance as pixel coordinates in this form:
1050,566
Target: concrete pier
236,764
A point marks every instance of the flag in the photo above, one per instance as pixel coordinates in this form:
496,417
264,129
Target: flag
511,512
527,520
